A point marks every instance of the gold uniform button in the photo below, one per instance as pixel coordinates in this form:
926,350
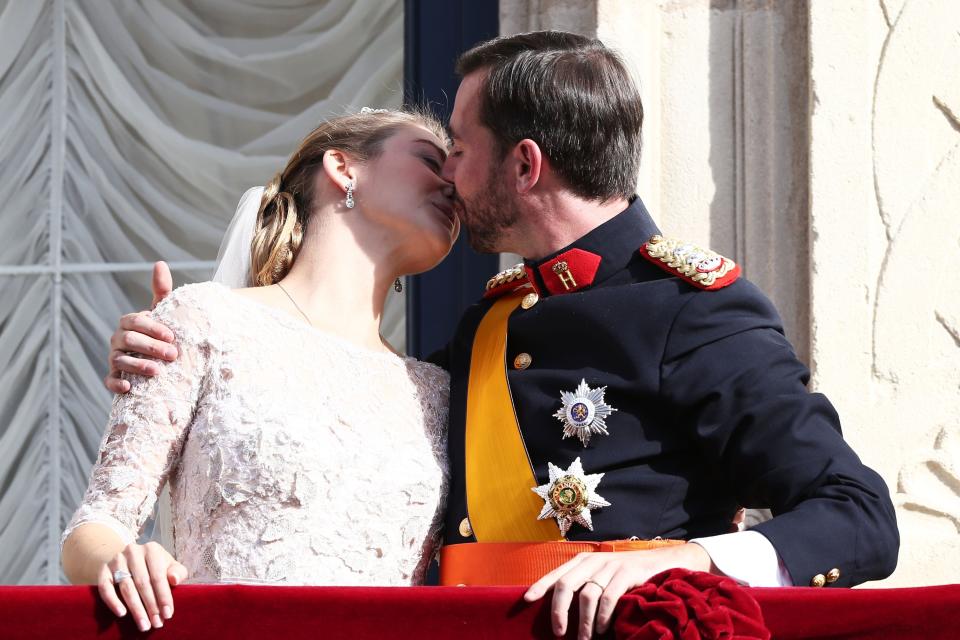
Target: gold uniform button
833,575
465,529
818,580
529,300
522,361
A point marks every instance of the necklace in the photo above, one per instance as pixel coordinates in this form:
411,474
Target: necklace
309,321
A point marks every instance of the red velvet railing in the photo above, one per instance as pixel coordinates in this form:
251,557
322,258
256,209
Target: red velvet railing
227,611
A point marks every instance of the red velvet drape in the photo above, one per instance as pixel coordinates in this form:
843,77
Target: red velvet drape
223,611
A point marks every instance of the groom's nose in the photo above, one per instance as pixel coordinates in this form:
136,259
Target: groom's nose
446,171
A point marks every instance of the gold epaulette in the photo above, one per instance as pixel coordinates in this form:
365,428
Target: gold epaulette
702,268
506,280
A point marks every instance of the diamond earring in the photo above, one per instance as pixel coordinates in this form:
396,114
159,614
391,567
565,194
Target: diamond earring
398,286
349,201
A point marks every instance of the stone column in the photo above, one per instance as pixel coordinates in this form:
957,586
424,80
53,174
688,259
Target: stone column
884,229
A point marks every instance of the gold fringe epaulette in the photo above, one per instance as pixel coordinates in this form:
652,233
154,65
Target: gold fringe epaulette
506,280
702,268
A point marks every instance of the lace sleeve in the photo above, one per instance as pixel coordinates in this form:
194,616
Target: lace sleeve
147,427
434,384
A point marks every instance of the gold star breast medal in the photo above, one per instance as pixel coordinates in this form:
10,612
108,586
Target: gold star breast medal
584,412
569,496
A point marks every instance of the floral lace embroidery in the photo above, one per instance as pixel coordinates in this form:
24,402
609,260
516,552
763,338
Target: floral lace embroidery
293,456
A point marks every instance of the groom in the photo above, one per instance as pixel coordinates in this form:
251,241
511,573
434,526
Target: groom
619,384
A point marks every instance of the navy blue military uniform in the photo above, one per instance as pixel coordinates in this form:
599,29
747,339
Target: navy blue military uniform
712,414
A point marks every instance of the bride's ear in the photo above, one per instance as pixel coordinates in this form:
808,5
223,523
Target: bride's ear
339,168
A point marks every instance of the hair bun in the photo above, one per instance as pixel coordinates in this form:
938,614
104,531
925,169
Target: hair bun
272,188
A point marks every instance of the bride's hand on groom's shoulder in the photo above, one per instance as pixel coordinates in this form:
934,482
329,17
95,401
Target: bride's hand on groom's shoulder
145,592
139,335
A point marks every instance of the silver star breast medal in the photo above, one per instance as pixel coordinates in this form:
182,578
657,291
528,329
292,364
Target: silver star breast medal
569,496
584,412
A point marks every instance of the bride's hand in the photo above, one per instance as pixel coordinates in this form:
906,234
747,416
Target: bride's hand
147,591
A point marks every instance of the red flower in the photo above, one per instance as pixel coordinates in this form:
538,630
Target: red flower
679,604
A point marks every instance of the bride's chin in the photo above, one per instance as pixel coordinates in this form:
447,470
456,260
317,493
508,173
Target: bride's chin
428,252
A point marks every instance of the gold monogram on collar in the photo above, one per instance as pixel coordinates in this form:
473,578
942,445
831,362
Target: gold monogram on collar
562,269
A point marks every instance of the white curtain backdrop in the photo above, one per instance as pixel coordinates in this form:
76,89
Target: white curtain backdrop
128,132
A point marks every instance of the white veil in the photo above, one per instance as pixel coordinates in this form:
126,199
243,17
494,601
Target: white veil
233,270
233,259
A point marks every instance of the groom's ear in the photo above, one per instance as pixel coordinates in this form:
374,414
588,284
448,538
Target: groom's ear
339,168
528,162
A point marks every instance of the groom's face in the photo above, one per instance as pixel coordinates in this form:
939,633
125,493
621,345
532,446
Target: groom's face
483,200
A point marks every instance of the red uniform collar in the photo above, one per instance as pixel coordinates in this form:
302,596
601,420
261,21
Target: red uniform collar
596,256
566,272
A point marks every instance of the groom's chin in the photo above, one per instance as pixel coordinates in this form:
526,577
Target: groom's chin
481,242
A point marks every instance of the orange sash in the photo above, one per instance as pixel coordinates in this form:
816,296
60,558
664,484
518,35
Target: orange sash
499,476
521,563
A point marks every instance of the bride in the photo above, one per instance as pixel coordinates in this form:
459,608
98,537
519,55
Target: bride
335,474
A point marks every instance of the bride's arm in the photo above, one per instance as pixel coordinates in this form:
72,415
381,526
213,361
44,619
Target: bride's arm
144,437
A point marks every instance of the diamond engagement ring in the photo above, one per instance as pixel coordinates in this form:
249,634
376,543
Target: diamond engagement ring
120,575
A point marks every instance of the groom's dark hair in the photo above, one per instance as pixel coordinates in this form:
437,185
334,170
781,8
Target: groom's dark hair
571,95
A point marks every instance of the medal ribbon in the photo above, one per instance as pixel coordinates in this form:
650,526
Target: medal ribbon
500,501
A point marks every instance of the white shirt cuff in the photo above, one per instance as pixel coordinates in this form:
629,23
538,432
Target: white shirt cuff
747,557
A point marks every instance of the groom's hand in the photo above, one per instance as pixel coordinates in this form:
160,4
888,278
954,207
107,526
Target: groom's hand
162,283
594,582
139,335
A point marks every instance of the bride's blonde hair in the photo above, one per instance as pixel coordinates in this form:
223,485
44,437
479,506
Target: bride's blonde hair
288,199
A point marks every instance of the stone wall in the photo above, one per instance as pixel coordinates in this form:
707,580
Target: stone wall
816,142
884,228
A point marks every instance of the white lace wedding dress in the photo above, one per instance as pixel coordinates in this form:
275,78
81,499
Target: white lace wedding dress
293,456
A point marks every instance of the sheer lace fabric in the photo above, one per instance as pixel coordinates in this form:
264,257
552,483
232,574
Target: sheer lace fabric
293,456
